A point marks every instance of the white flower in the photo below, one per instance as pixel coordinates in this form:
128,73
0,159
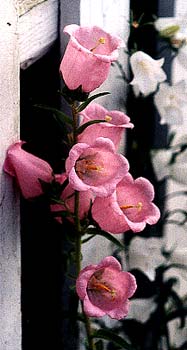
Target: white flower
147,72
145,254
141,309
178,141
178,170
162,165
168,26
160,161
175,29
169,101
179,256
182,56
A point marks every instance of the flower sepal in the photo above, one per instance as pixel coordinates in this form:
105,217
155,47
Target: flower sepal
53,189
74,95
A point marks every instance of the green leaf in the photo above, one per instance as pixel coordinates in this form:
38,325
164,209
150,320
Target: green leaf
85,240
58,115
110,237
99,345
90,99
85,125
111,336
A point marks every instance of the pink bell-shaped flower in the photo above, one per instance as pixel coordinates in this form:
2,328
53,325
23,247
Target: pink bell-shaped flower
27,169
130,207
105,289
97,167
114,123
88,57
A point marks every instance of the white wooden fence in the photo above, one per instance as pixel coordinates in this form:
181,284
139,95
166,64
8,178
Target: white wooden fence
28,28
10,314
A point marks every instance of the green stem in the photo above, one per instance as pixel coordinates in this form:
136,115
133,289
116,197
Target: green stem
78,264
78,232
76,209
75,122
88,331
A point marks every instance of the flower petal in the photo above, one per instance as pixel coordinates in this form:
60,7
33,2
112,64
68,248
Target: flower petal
27,169
88,57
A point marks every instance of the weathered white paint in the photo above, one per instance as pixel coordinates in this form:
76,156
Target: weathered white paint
26,5
38,30
10,315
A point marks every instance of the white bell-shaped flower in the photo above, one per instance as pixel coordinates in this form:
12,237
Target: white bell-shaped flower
169,101
160,160
178,170
147,72
175,29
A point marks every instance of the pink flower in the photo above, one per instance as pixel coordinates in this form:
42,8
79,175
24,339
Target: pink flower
130,207
67,196
112,128
97,167
105,289
88,57
27,169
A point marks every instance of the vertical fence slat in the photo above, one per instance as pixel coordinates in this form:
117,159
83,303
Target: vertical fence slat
10,315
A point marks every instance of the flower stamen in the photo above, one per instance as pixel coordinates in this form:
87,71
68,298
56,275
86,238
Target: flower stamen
145,66
108,118
93,167
99,286
178,42
138,206
99,42
135,24
84,166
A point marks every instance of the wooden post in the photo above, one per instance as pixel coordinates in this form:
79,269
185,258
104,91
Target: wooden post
10,315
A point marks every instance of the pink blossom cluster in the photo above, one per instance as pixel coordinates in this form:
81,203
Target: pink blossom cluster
94,168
